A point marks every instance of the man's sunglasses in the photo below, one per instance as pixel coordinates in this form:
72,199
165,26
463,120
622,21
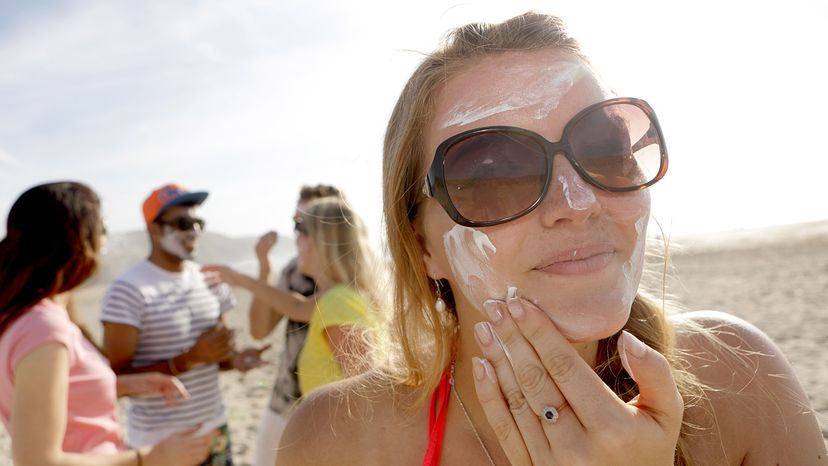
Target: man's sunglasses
491,175
184,223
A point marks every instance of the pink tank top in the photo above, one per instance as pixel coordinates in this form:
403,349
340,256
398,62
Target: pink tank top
92,408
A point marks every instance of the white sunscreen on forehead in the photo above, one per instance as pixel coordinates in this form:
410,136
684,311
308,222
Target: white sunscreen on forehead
528,87
468,252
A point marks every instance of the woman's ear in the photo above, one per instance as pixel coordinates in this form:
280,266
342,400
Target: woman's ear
433,265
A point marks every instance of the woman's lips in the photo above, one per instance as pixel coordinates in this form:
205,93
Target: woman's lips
578,261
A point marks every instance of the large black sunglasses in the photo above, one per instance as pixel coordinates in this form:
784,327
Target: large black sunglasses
495,174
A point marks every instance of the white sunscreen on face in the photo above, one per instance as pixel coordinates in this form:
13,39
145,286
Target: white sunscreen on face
468,252
632,269
173,242
578,194
540,89
483,242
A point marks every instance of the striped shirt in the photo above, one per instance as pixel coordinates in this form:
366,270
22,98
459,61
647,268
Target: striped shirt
170,310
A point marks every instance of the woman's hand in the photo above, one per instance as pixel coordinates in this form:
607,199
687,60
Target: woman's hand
153,383
265,244
530,366
248,359
184,448
221,273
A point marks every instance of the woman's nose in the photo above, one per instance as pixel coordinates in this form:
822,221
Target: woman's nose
569,197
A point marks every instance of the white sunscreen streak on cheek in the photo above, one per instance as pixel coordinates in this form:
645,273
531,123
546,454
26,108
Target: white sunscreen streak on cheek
578,195
543,90
483,242
466,250
633,268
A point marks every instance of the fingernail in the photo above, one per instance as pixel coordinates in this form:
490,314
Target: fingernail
484,333
492,308
515,308
489,370
622,353
479,369
633,345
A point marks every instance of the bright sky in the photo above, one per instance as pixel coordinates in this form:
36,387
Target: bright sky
252,99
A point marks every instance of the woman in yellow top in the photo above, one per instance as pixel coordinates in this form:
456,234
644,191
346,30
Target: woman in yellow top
333,250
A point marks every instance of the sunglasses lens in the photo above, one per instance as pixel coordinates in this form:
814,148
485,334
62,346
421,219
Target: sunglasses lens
188,223
618,146
494,175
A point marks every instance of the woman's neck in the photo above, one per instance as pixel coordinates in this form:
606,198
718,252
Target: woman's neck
323,283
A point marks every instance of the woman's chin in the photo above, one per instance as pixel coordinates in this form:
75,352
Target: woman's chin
596,323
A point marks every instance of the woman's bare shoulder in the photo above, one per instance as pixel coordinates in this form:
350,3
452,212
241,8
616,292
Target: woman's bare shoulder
753,409
352,421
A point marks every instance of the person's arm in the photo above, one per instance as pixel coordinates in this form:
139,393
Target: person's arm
152,383
263,318
244,360
288,303
120,342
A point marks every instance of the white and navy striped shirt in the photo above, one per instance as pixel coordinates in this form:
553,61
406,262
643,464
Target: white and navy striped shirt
170,310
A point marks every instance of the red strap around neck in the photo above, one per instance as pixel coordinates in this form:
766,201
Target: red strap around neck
437,420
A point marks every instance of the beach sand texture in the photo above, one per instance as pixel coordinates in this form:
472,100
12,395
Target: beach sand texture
775,278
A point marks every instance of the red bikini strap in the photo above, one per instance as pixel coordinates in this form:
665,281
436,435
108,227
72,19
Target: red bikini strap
437,420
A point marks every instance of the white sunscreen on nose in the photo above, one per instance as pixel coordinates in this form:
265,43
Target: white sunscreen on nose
529,87
578,194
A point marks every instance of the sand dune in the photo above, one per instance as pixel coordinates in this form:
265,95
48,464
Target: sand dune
776,278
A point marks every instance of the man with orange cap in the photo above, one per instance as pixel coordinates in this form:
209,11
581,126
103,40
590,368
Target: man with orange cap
164,315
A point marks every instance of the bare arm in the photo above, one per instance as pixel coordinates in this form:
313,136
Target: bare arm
120,342
152,383
288,303
263,318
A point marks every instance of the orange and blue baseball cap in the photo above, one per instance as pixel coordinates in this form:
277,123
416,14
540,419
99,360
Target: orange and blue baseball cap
168,196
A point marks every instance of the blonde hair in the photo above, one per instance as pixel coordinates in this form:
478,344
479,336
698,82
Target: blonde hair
342,248
422,337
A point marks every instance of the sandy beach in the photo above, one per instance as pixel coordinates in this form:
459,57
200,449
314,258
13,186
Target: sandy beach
775,278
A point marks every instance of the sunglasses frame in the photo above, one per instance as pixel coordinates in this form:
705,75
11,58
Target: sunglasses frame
299,227
435,181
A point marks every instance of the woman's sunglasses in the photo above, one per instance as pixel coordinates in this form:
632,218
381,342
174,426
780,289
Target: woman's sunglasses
299,227
491,175
184,223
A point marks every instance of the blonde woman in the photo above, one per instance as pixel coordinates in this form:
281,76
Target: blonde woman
516,209
333,250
